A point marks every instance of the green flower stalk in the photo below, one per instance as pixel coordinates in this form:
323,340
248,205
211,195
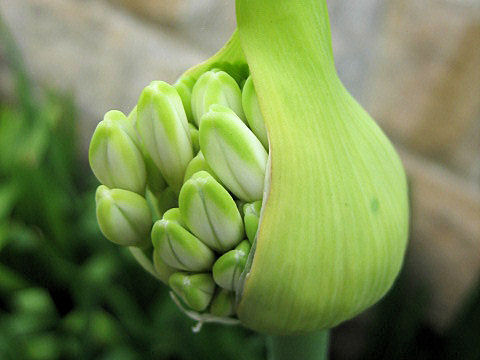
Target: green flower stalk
283,205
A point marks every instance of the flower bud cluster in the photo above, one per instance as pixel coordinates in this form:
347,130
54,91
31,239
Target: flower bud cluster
183,179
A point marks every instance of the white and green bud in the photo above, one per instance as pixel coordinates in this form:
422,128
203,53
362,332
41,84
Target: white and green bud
163,129
184,87
195,290
114,158
180,249
155,181
174,214
194,138
251,217
197,164
233,152
228,268
123,216
161,268
216,87
253,113
223,303
210,212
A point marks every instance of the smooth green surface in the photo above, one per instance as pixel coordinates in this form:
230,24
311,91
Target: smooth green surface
329,161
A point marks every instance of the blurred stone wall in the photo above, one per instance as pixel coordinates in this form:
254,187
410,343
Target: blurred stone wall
413,64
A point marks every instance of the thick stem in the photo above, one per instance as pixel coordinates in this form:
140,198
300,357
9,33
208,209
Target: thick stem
313,346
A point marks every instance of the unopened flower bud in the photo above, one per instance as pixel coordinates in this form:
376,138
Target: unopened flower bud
251,216
228,268
216,87
197,164
252,112
163,129
184,87
233,152
155,181
223,303
195,290
173,214
114,158
123,216
194,137
162,270
210,212
180,249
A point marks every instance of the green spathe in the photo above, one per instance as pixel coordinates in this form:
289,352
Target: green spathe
180,249
114,158
123,216
195,290
163,129
252,112
323,252
228,268
251,217
216,87
233,152
210,212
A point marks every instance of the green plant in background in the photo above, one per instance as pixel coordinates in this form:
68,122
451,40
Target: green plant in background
287,205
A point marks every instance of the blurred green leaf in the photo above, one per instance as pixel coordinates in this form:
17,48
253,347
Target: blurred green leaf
43,347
